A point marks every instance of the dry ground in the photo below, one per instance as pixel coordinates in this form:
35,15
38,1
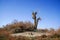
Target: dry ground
30,34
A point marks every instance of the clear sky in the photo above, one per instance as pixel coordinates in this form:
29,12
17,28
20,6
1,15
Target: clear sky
48,10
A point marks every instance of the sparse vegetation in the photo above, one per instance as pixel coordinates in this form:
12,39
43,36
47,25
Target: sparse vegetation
18,27
5,35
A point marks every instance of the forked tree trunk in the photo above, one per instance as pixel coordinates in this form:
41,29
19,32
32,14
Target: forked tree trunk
36,20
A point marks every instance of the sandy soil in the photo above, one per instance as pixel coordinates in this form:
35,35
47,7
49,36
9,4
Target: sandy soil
29,34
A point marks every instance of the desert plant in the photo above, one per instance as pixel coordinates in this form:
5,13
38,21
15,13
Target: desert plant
36,20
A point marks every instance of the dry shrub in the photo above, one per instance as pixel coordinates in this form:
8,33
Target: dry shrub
4,35
23,26
42,30
58,31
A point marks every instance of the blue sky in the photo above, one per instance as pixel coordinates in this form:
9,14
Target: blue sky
48,10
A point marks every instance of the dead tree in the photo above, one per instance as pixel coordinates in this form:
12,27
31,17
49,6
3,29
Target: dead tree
36,20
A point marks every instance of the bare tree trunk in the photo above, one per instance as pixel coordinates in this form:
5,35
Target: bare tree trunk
35,20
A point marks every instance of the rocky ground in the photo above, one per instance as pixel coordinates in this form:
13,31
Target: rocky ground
30,34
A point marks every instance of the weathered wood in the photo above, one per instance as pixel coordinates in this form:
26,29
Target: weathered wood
36,20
